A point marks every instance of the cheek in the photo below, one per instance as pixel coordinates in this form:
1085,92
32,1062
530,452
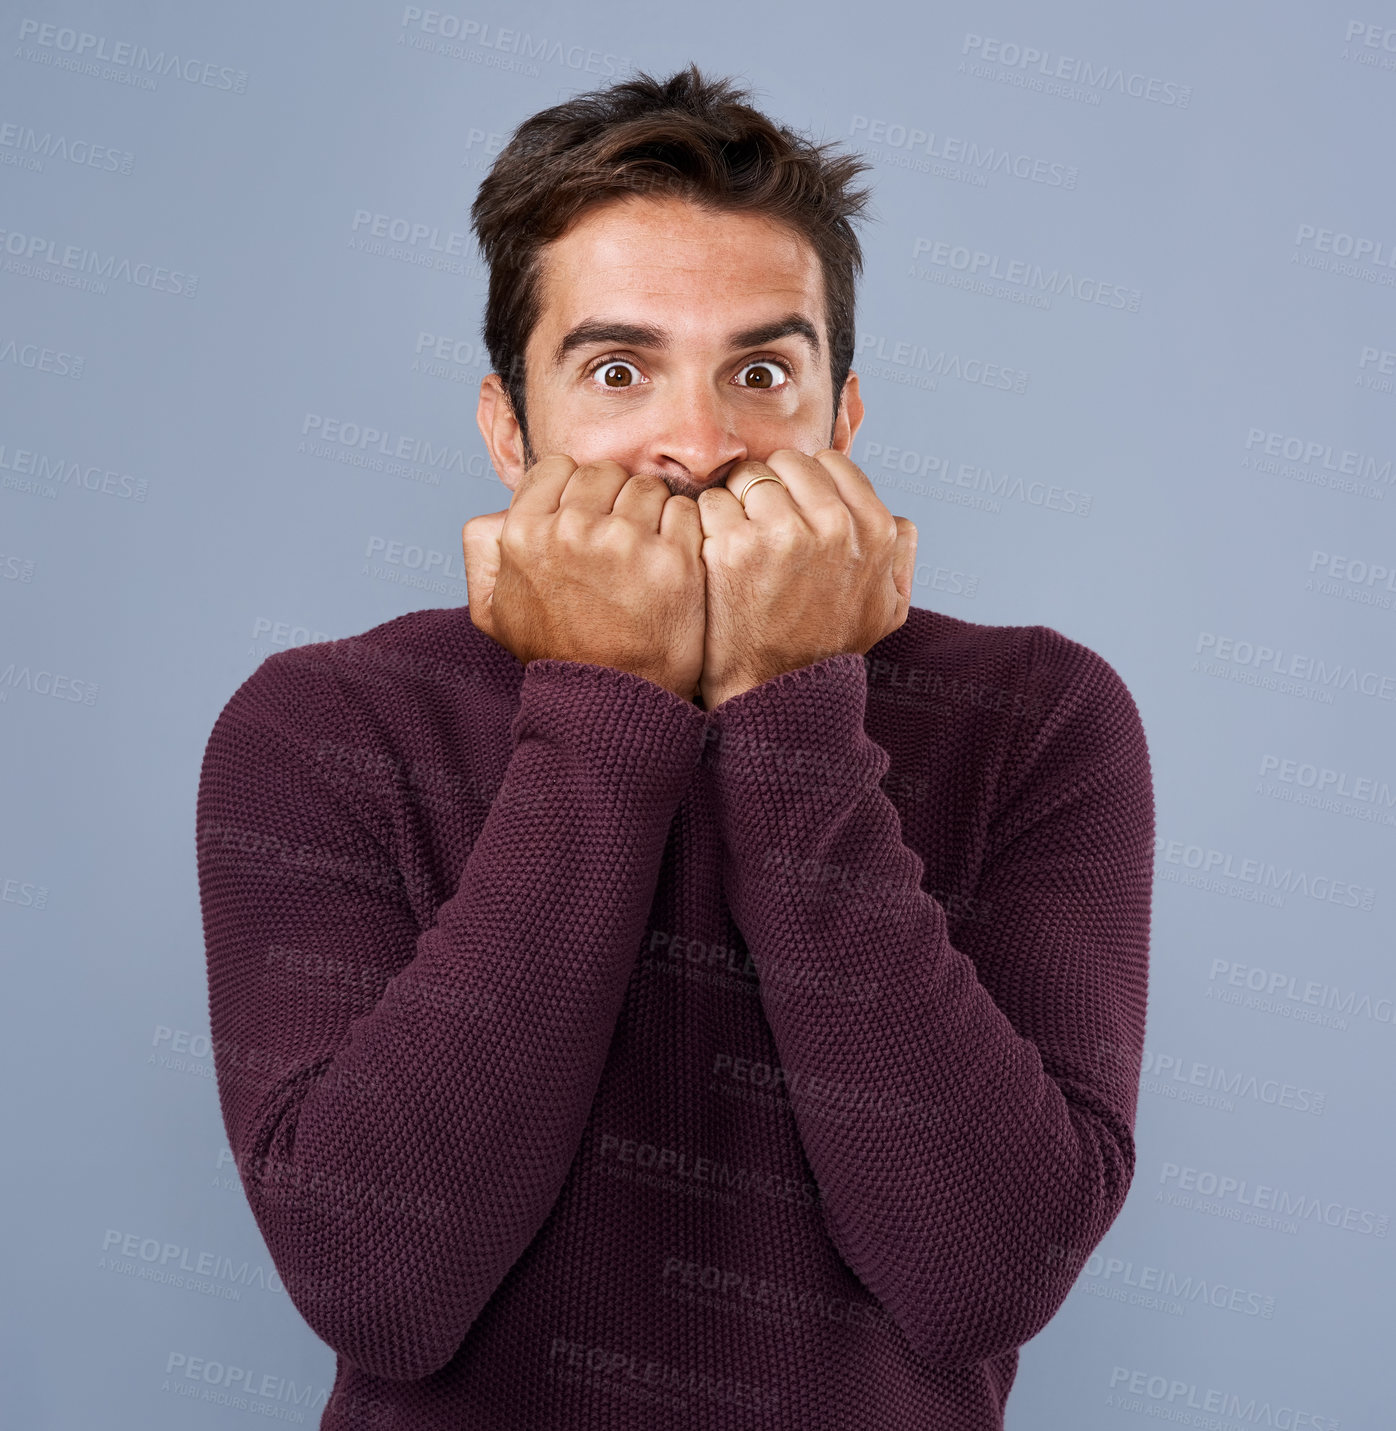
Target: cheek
587,435
627,433
797,427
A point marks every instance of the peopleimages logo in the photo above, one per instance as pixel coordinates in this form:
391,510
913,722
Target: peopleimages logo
414,242
500,38
1185,1402
1281,990
1372,37
40,359
977,267
234,1384
1311,452
1375,369
68,48
189,1268
986,486
1039,68
1378,252
1179,1288
1212,865
26,147
1352,255
1164,1072
1304,782
1352,578
1258,657
412,233
966,155
380,450
442,355
38,256
1261,1198
927,368
28,470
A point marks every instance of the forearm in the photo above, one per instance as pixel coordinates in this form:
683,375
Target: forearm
965,1102
434,1130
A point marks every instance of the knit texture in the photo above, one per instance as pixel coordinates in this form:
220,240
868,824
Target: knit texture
593,1060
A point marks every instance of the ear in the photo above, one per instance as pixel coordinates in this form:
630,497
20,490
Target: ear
500,429
849,417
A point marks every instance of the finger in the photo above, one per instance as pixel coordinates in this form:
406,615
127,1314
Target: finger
904,557
742,478
776,506
856,491
594,487
540,488
480,541
811,488
481,551
642,500
681,523
874,522
719,511
854,487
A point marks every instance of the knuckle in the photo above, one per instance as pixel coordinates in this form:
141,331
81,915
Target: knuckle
618,537
600,467
571,524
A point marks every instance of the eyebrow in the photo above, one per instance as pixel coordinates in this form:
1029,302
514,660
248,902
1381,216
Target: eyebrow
646,335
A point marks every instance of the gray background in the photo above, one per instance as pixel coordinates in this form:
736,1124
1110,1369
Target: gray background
176,503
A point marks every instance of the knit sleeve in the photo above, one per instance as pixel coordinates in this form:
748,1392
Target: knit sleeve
403,1103
993,1050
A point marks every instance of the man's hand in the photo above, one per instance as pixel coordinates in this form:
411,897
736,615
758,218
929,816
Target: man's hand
592,564
807,571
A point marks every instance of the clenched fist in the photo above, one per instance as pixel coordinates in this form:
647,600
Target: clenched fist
589,563
815,565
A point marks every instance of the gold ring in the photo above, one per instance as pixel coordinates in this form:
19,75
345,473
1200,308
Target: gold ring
741,496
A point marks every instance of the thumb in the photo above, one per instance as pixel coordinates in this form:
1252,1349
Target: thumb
481,551
904,558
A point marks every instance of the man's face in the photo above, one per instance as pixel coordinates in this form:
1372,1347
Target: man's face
702,387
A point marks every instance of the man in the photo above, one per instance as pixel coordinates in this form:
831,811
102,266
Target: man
689,985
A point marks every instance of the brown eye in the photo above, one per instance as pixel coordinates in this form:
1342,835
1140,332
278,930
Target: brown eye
616,373
767,382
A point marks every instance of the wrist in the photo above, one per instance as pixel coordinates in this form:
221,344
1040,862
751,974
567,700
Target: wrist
715,695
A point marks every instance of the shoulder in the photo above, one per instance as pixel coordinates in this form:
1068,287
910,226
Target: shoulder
1033,670
415,703
1066,710
397,671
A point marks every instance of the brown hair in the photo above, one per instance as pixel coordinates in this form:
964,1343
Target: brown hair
686,136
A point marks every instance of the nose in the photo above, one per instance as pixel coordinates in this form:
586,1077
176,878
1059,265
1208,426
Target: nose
695,444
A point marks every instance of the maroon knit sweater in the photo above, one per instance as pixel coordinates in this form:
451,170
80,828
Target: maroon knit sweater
594,1060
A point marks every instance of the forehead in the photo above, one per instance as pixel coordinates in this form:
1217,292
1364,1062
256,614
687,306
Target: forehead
671,262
